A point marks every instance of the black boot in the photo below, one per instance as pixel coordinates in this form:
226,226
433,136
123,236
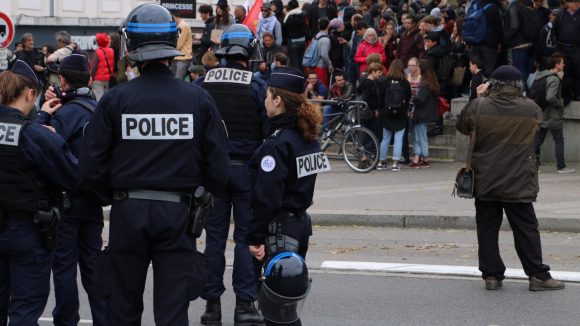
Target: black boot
213,313
246,314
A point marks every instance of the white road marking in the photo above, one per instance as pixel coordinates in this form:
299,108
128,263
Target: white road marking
435,269
82,321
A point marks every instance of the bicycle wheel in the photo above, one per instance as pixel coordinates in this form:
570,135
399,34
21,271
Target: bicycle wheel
360,149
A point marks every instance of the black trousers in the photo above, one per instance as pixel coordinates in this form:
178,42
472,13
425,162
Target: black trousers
524,224
148,231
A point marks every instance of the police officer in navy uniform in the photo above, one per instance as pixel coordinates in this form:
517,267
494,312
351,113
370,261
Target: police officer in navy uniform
240,99
81,228
284,172
152,142
32,158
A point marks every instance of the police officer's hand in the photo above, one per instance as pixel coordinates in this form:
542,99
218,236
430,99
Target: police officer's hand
51,106
258,251
49,94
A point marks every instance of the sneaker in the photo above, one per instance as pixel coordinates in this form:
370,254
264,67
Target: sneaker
566,170
414,165
425,164
550,284
396,168
492,284
382,165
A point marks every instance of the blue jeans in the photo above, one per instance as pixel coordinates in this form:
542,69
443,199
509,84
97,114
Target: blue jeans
329,112
558,136
523,61
420,142
397,146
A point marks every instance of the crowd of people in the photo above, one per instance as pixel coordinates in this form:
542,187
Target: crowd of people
248,135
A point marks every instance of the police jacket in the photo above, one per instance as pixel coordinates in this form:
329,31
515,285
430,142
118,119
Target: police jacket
31,155
69,122
240,99
504,155
155,132
284,172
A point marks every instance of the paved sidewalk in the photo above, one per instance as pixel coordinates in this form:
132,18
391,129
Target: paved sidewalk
422,198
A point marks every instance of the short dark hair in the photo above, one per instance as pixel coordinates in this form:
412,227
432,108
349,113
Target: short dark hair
205,9
412,17
338,74
553,60
281,57
75,78
360,25
323,23
476,60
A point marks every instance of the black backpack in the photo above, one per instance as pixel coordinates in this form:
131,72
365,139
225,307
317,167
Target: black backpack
538,92
445,67
394,99
530,24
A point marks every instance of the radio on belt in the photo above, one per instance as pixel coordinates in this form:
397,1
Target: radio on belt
157,126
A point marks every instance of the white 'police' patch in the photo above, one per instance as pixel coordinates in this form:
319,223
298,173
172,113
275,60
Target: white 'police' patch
268,163
9,134
228,75
157,126
312,164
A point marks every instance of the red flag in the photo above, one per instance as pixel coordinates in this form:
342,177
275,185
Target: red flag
253,15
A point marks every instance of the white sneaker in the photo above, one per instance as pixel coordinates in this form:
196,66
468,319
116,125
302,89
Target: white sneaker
566,170
396,168
381,166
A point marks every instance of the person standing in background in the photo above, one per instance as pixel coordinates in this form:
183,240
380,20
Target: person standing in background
180,64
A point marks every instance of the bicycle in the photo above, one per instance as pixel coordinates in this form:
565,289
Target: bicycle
359,146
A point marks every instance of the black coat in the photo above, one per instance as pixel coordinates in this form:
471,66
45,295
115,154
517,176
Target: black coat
426,105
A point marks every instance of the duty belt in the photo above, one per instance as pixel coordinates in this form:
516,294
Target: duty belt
173,197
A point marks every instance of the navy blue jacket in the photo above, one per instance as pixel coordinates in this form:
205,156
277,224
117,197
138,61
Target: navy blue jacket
69,122
133,139
48,153
284,174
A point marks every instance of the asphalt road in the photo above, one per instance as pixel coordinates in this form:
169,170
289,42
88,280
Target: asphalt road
379,298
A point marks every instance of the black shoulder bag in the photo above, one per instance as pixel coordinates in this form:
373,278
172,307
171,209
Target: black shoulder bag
465,179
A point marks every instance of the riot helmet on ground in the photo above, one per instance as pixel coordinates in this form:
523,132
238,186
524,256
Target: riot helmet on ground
285,288
150,33
239,42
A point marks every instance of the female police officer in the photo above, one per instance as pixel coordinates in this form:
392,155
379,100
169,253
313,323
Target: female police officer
285,169
31,158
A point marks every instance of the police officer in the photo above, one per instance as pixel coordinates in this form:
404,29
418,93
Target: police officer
153,141
32,157
81,228
240,99
284,171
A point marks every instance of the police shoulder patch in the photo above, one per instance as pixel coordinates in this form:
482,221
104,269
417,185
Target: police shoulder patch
9,134
268,163
312,164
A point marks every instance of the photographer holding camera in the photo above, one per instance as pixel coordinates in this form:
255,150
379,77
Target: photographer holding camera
82,225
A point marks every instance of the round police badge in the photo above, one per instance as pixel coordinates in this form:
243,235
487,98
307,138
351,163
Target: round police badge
268,163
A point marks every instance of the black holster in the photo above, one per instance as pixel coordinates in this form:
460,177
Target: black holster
279,241
47,222
201,204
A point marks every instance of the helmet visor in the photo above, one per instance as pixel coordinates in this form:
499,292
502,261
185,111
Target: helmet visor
280,309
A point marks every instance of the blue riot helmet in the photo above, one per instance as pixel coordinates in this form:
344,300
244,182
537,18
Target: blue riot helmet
150,33
285,287
239,42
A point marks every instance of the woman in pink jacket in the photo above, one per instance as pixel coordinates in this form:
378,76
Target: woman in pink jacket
368,46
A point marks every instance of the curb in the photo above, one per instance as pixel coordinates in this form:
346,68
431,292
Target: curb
444,270
552,224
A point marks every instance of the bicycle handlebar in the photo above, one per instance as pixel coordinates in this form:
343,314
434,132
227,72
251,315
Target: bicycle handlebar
340,101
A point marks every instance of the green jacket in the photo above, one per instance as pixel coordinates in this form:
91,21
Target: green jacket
554,112
504,159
